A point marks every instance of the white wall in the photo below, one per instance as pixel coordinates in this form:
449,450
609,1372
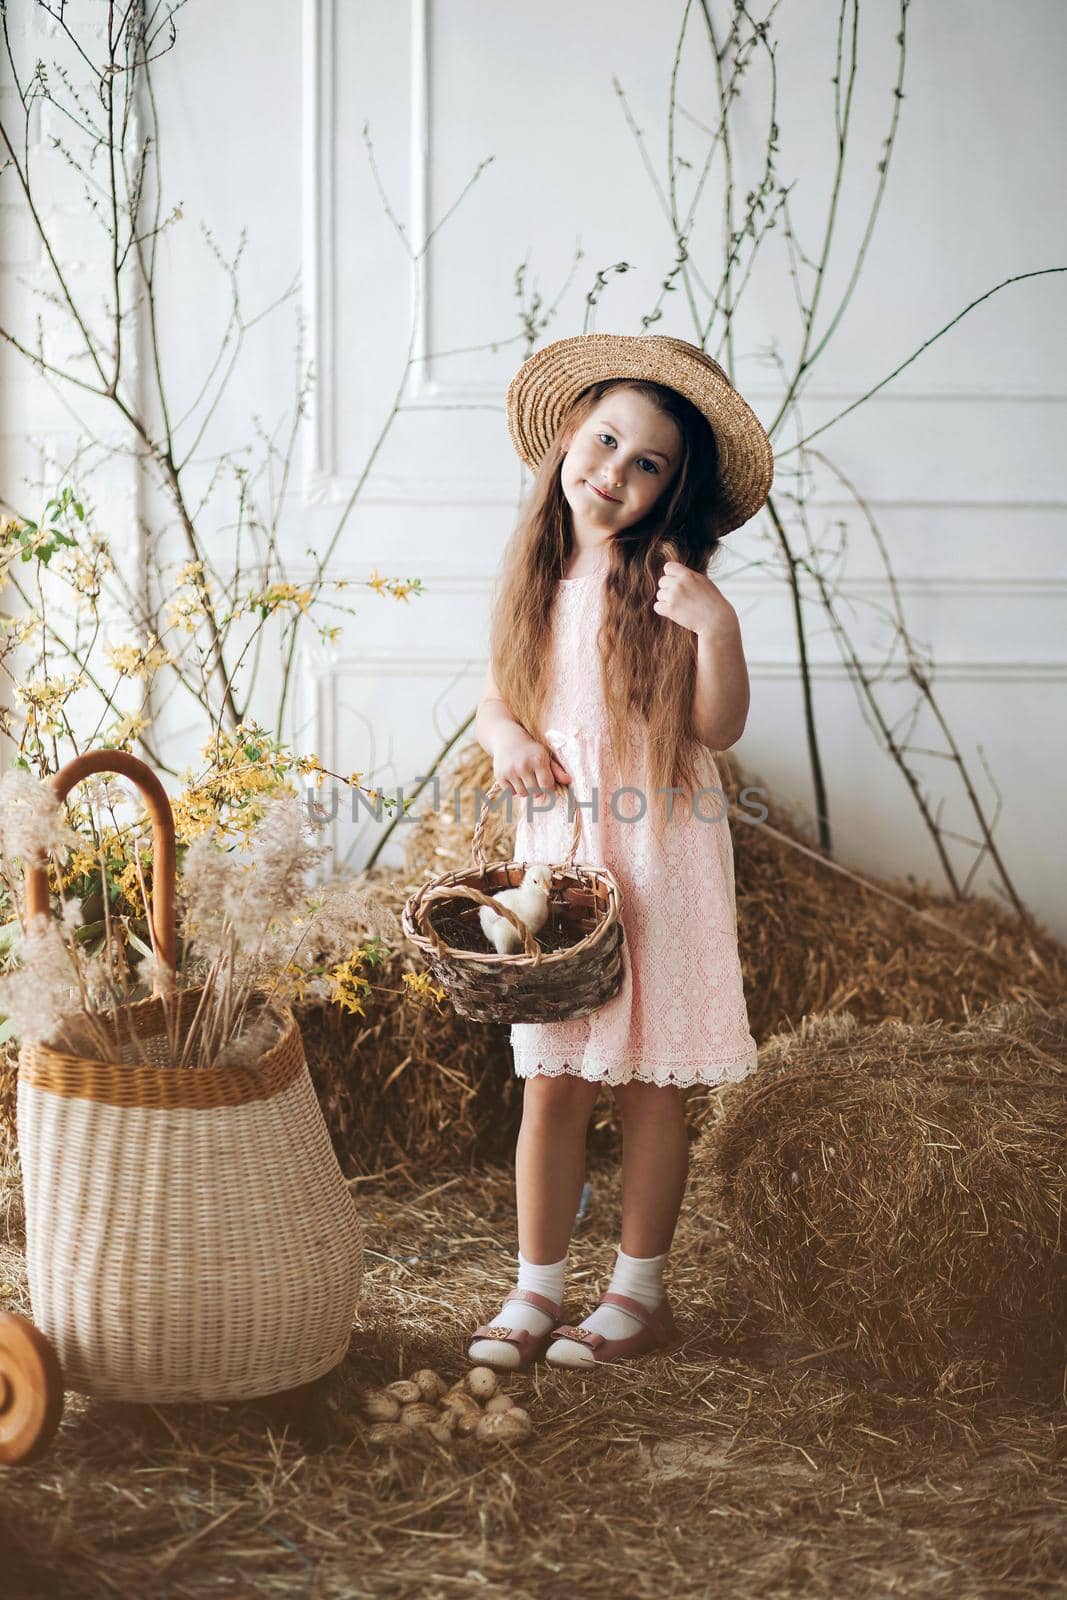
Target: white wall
960,459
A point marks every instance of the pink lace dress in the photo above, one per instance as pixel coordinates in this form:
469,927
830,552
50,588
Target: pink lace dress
679,1016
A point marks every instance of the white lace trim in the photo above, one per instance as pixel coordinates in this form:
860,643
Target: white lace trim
622,1072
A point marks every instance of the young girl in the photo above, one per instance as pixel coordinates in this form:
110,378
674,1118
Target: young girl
616,668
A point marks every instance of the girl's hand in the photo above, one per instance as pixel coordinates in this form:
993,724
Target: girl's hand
523,764
692,600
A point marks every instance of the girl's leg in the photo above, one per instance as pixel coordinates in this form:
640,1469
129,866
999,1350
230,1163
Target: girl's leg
549,1169
655,1165
550,1162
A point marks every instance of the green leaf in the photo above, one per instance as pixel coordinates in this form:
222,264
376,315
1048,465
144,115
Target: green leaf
7,1030
137,942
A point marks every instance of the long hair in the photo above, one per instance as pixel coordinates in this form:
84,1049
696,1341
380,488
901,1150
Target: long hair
647,662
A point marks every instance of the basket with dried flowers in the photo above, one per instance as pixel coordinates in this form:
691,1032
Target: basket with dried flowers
569,969
190,1235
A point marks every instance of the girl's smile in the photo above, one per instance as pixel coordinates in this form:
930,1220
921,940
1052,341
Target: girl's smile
617,464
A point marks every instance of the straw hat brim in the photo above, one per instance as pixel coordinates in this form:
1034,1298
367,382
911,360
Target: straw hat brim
550,379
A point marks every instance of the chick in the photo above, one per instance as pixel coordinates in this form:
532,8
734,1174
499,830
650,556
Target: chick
529,903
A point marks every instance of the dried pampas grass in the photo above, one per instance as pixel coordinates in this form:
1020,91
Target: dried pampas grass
253,935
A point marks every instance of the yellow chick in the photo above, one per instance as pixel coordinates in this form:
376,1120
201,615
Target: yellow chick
529,903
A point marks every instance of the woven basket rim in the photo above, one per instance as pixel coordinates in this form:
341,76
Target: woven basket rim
136,1082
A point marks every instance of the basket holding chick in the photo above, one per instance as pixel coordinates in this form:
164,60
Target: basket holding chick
495,969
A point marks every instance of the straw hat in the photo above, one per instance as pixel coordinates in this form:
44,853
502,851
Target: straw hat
552,377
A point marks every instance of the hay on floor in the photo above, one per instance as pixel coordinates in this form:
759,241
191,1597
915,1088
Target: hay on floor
741,1462
760,1455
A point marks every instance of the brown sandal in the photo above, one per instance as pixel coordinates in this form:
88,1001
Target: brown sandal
530,1345
658,1331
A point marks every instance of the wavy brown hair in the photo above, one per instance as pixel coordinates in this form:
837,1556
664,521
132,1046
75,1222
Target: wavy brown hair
647,662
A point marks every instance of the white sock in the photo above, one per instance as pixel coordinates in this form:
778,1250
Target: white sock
638,1277
546,1280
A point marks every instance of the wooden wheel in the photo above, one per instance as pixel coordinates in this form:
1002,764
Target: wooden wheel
31,1391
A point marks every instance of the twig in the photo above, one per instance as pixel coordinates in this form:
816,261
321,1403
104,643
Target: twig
1019,277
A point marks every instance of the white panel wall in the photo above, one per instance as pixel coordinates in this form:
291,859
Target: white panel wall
960,459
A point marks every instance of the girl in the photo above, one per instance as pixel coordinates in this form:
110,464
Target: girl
616,668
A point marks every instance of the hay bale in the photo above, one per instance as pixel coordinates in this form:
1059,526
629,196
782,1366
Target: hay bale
408,1085
896,1193
815,941
440,842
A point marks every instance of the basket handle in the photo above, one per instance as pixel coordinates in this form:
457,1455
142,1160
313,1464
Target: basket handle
163,849
495,788
460,891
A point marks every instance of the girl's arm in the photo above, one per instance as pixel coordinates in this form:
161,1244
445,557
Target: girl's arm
520,762
721,690
492,717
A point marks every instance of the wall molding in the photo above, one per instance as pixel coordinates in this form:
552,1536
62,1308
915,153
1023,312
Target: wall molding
318,244
874,586
442,666
389,490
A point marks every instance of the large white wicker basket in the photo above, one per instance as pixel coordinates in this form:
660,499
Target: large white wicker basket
190,1235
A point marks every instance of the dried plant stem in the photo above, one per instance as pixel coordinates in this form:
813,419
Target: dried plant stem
919,675
91,1018
219,1023
723,298
1018,277
792,563
201,1010
113,962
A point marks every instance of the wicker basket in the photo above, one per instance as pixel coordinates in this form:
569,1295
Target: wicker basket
538,985
189,1233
